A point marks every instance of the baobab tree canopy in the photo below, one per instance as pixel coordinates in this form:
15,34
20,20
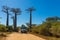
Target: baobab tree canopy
31,9
5,9
16,10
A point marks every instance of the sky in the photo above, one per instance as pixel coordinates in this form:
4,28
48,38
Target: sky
44,9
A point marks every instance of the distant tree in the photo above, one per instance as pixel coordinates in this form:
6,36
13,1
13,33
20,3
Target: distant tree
52,19
6,10
10,28
28,24
0,18
13,20
16,11
30,10
23,27
18,28
33,26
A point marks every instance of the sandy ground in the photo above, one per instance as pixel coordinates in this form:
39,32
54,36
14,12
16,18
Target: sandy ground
20,36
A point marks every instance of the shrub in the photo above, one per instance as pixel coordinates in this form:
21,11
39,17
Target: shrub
3,28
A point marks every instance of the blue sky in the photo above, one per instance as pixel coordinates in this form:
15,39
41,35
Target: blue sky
44,9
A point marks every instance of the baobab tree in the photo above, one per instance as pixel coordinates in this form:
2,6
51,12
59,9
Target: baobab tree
6,10
16,11
0,18
13,20
30,10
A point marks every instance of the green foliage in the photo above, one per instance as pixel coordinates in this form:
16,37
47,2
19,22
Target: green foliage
48,29
18,29
42,29
10,28
55,29
3,28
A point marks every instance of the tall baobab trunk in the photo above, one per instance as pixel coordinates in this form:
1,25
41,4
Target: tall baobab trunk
30,20
15,22
7,20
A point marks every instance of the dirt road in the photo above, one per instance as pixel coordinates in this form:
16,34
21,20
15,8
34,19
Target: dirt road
20,36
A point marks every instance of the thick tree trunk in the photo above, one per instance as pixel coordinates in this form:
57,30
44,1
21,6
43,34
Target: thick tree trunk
7,21
15,22
30,21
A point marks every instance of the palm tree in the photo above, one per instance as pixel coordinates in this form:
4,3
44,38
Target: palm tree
16,11
6,10
30,10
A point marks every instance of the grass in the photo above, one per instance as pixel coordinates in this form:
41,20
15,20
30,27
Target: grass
53,38
46,37
3,35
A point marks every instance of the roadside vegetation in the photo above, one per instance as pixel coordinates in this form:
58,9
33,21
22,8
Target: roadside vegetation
5,31
50,29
